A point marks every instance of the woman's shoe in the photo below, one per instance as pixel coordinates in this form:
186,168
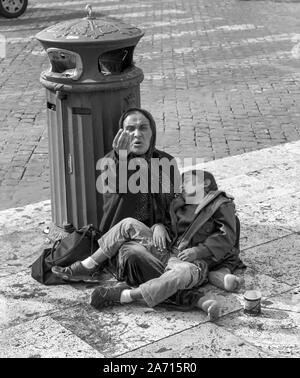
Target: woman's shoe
76,272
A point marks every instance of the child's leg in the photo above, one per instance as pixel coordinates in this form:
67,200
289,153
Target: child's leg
206,303
223,279
131,295
179,275
210,306
120,293
123,294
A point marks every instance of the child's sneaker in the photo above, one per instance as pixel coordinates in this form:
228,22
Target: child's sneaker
107,296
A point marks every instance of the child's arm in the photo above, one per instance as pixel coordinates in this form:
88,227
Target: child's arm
193,253
220,242
223,238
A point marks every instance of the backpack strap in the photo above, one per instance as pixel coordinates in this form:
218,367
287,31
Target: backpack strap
55,245
93,231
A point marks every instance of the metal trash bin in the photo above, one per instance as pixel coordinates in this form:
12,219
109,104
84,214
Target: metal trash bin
91,81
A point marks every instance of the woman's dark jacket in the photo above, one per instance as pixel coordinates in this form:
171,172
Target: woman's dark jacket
117,206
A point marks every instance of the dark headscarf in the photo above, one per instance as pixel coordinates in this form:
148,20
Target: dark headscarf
206,175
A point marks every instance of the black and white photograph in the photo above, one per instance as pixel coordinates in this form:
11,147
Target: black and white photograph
149,183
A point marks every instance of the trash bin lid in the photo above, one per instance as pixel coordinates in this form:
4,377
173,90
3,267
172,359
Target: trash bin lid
90,30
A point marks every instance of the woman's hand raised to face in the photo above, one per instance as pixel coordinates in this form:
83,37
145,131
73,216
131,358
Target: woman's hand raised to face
121,142
160,237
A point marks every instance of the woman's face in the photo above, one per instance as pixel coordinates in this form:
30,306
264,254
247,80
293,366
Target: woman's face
140,133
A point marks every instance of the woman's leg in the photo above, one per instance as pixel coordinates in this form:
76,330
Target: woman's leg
126,230
109,244
137,264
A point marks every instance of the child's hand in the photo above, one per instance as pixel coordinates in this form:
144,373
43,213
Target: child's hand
160,237
189,254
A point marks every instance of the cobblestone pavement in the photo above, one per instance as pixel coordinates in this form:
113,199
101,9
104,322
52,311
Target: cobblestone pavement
222,77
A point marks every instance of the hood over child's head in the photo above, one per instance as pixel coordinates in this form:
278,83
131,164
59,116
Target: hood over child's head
199,181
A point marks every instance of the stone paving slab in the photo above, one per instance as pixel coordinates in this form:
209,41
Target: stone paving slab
289,301
19,249
277,212
259,190
254,162
204,341
279,259
23,298
275,332
120,329
263,172
254,234
32,216
43,338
